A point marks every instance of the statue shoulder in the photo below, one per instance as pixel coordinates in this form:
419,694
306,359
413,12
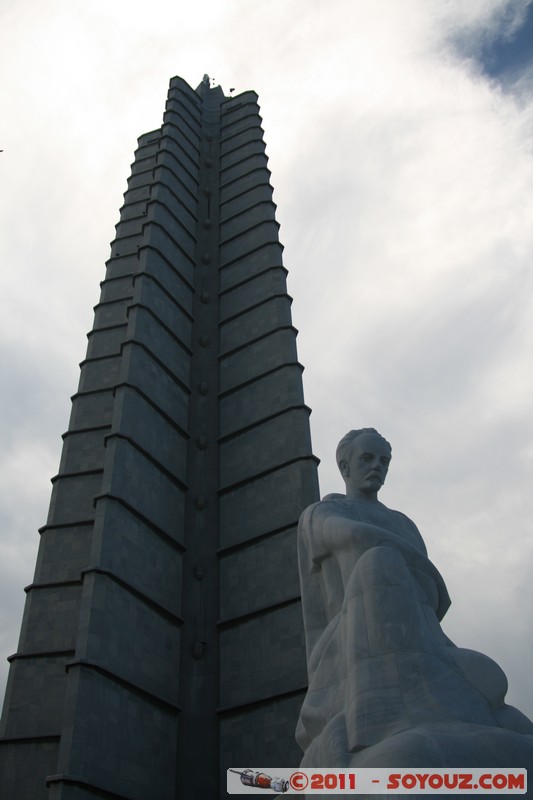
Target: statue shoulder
408,526
329,504
316,513
403,517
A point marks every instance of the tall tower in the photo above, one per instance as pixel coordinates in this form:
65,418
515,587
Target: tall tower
162,639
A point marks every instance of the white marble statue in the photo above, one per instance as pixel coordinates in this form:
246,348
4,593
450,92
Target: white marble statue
387,688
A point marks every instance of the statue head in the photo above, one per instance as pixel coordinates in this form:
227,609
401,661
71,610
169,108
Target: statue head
363,458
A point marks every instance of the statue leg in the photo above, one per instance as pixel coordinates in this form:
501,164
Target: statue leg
381,617
388,598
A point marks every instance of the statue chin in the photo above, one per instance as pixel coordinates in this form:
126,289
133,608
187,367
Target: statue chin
387,688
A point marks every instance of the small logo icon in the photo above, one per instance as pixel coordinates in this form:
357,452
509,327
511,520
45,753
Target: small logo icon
262,781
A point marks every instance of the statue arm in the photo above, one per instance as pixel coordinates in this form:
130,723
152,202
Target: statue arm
313,603
415,537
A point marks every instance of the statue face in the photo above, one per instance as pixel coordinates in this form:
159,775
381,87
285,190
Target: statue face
366,467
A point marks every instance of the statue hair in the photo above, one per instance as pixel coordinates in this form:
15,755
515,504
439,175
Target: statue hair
345,444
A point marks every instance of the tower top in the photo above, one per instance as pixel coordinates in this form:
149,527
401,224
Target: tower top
204,89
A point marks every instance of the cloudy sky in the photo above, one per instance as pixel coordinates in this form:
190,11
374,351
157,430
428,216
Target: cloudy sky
400,137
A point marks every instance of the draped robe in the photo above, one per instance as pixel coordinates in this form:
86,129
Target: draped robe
387,687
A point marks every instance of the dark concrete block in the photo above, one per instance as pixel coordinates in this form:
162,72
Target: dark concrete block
238,140
139,194
117,288
264,446
171,249
51,618
243,118
179,231
139,555
179,147
171,173
253,215
185,103
261,736
260,575
73,498
120,740
112,313
266,396
83,450
14,760
107,342
266,504
167,390
152,295
35,697
187,217
134,210
147,330
271,315
130,227
249,264
254,146
99,374
250,362
243,166
91,410
169,275
129,637
260,193
156,435
63,553
123,265
263,657
183,119
133,478
243,183
182,167
259,289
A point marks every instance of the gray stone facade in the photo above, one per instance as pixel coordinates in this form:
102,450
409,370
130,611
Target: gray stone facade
162,639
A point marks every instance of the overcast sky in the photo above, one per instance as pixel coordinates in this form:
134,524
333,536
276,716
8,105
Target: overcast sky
400,138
